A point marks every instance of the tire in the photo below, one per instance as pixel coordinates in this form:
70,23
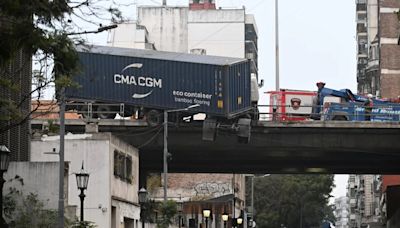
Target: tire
153,117
339,118
108,112
84,112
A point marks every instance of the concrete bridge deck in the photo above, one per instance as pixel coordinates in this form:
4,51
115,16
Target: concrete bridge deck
302,147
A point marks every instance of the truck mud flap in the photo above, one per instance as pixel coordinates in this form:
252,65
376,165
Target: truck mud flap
244,130
210,128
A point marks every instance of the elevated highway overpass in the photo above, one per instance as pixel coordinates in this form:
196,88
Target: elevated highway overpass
303,147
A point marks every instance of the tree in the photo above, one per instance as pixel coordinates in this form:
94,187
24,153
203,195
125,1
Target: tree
290,200
43,29
167,210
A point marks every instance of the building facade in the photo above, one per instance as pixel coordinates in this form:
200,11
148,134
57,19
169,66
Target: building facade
199,28
111,197
341,212
364,193
19,74
378,61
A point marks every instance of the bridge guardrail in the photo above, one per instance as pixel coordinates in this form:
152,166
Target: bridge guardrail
357,112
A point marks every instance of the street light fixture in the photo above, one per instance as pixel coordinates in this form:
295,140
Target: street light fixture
206,214
142,200
165,154
82,180
239,221
4,162
225,218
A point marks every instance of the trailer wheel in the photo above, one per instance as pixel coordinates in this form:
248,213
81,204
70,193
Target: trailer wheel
244,130
153,117
84,111
339,118
105,112
210,127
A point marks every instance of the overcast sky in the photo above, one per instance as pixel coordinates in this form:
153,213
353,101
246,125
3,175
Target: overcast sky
317,43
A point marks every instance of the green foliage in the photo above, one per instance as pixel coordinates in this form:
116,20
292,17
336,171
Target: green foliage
43,29
83,224
287,199
147,212
27,211
168,211
153,182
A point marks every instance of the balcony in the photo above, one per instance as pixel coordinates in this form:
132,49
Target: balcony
361,28
361,7
353,202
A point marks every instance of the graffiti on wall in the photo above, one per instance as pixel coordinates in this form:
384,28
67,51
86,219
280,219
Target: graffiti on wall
213,189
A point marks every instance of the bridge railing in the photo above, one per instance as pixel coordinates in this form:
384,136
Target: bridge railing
355,112
331,111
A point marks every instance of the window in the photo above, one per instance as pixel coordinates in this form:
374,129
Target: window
123,166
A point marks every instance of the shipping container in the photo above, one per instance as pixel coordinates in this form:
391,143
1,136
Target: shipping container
154,80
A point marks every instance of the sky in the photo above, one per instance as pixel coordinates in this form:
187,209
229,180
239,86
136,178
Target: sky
317,43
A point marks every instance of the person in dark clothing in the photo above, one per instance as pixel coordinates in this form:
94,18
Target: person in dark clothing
368,104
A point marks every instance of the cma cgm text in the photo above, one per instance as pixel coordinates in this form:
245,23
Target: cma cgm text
138,81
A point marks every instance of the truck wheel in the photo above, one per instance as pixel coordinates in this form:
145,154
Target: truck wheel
244,130
85,112
153,117
105,112
339,118
210,127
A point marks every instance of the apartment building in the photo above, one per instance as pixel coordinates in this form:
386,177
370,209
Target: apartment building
199,28
341,212
378,61
364,192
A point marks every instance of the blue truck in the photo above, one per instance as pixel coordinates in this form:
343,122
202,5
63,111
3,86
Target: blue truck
352,107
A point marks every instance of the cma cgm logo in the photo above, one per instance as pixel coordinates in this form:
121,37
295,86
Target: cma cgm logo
142,81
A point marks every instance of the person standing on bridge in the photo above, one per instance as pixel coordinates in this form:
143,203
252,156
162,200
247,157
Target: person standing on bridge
368,104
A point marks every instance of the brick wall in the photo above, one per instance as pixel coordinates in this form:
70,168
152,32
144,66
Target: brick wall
390,85
389,25
390,53
389,3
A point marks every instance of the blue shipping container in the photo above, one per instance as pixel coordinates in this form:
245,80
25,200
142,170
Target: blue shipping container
163,80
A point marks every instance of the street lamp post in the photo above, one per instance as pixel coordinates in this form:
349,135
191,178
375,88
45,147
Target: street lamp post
225,218
142,200
82,180
4,162
180,211
206,214
165,153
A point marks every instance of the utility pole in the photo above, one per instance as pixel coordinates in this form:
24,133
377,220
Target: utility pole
62,135
165,155
61,154
276,46
164,2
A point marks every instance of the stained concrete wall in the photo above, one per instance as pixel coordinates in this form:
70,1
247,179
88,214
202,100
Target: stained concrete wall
96,151
167,27
40,178
128,35
219,32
